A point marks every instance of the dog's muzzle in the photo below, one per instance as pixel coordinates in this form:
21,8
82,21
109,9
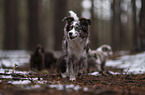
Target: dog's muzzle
72,36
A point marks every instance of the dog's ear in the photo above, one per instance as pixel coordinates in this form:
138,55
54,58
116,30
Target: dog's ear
68,19
85,21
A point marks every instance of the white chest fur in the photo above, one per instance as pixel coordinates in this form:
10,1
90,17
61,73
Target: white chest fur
76,47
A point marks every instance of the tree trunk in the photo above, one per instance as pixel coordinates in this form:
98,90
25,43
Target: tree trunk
34,23
142,27
116,25
11,25
60,10
93,36
135,26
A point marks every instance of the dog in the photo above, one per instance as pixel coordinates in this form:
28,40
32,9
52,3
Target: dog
50,61
37,59
99,57
40,59
75,44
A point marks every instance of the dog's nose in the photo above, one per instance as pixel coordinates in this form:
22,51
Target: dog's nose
70,34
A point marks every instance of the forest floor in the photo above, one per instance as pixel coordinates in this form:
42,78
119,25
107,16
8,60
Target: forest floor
54,84
121,81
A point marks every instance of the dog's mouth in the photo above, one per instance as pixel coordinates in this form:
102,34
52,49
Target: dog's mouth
73,37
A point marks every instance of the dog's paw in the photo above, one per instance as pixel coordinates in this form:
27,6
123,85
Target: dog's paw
72,79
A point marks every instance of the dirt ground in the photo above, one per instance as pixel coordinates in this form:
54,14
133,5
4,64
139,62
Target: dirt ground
96,85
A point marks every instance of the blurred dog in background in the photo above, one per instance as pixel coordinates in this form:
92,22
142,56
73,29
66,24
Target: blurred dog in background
99,57
40,59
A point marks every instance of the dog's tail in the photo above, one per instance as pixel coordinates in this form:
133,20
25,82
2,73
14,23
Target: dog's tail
74,15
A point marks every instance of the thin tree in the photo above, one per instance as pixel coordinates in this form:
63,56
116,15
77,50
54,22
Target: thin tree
116,25
93,36
135,26
11,24
60,10
142,27
34,23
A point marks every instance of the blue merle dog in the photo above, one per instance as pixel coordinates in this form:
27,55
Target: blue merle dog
75,45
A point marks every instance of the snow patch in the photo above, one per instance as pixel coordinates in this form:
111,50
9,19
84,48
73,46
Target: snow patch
67,87
19,82
9,71
130,63
11,57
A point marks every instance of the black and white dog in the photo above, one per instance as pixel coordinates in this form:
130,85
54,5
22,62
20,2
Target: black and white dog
75,44
99,57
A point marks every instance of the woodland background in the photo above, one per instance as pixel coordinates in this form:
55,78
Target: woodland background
26,23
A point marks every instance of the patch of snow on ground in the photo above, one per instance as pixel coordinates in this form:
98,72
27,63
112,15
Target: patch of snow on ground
20,82
9,71
130,63
98,74
94,73
67,87
11,57
33,87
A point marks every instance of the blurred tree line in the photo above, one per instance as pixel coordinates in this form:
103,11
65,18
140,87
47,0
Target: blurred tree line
26,23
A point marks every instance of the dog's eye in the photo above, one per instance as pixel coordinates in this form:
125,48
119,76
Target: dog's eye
77,28
95,56
70,27
105,49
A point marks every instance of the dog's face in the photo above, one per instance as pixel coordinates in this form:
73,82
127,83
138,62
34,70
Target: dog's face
39,49
75,29
106,49
93,56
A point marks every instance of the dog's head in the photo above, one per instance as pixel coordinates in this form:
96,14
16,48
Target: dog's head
93,56
106,49
39,49
76,27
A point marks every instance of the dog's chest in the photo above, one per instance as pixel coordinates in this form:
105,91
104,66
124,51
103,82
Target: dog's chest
77,47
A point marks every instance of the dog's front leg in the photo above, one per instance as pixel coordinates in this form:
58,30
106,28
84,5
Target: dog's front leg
80,68
86,66
98,66
103,67
66,73
72,72
83,65
67,69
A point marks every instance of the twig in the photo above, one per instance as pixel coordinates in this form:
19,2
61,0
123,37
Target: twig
14,68
127,71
